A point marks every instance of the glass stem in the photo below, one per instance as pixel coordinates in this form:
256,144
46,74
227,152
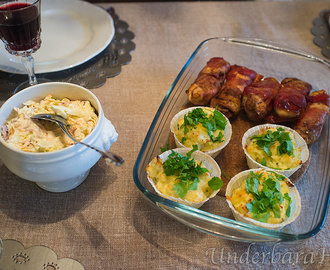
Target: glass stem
28,62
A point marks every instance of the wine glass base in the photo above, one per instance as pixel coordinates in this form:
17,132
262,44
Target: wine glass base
26,84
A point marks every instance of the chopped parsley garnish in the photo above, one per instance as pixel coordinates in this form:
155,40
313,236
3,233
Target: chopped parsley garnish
287,197
165,148
267,199
226,175
194,148
263,162
215,121
187,172
215,183
265,141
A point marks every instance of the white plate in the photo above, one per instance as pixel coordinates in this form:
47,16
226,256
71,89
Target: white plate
73,32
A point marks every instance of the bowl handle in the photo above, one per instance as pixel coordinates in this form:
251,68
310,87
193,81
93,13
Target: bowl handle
109,135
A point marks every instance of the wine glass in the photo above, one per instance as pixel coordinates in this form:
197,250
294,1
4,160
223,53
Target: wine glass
20,31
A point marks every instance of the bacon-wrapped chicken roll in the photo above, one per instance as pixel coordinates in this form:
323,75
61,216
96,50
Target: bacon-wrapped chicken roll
258,98
203,90
216,67
290,100
208,82
228,100
310,124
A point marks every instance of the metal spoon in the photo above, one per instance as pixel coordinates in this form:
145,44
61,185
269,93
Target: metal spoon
109,156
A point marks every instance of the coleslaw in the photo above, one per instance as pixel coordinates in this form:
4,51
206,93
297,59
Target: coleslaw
30,135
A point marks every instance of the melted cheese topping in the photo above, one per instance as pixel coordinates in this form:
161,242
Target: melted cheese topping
164,183
240,198
275,161
198,135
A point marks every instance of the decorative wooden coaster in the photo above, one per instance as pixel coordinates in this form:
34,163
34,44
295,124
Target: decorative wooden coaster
321,31
16,256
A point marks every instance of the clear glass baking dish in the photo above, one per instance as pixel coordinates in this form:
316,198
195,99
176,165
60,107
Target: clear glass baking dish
269,59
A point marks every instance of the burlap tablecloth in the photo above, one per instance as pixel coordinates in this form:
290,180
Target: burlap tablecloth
105,223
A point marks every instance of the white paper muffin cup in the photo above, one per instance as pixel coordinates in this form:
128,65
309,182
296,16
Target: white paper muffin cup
257,130
207,161
236,182
213,153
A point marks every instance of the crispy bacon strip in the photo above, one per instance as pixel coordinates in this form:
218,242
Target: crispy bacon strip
319,97
258,98
310,124
228,100
208,82
290,100
216,67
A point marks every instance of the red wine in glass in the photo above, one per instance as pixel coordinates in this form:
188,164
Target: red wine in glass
20,32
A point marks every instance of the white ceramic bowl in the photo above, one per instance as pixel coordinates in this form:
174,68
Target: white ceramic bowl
60,170
214,152
207,161
257,130
236,182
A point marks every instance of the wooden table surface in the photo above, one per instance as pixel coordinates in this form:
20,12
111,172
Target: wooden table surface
105,223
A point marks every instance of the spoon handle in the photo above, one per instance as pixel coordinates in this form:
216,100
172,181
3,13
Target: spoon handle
110,158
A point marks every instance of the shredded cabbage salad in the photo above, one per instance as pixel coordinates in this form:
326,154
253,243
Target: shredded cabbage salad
30,135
